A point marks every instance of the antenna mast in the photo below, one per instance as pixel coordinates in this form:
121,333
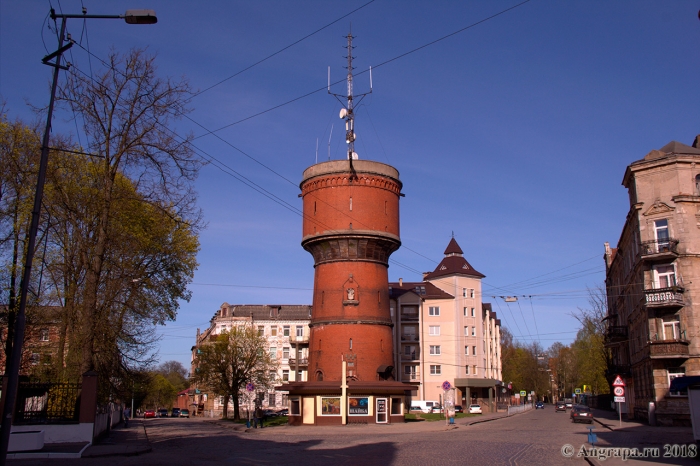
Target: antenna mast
347,113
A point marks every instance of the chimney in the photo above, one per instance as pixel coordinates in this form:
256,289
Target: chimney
400,281
425,274
696,143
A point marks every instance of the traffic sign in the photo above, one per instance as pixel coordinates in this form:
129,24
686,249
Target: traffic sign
446,385
523,393
250,386
619,399
618,382
577,391
619,391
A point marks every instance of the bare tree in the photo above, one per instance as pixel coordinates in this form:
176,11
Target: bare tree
126,111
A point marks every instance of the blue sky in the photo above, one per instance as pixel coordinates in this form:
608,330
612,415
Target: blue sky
513,134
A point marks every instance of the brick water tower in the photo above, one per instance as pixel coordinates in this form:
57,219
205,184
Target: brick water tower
351,227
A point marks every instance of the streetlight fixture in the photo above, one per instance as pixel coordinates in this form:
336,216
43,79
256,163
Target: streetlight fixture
13,364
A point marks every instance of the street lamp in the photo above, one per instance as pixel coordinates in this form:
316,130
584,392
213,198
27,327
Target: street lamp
13,364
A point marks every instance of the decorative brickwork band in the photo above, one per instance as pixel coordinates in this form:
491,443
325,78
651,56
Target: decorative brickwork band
349,247
342,320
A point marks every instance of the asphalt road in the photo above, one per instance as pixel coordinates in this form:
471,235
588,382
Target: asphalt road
532,438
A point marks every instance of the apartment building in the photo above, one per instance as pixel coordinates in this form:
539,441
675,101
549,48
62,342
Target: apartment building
652,283
286,328
444,332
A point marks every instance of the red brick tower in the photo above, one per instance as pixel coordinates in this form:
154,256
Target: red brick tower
351,227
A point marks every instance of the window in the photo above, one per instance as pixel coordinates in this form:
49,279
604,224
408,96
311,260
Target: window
671,328
473,312
434,330
473,331
300,331
661,233
674,372
294,407
474,348
435,349
464,292
467,368
466,351
466,314
664,276
35,358
697,185
44,336
285,375
273,352
471,292
261,330
272,399
396,406
351,343
466,331
435,369
434,310
285,353
474,369
273,331
410,371
286,330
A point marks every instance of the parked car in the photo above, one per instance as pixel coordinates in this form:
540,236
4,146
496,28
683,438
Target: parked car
283,412
270,413
539,405
560,406
162,412
569,403
175,412
149,413
474,409
580,413
459,409
184,413
437,408
423,405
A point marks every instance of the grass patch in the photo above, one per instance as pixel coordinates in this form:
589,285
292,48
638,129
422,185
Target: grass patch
431,417
269,422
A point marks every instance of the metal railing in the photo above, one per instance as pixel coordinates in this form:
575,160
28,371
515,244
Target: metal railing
411,317
47,403
671,296
302,361
409,357
659,246
409,337
519,409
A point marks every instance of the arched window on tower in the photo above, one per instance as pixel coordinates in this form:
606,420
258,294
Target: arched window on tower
319,376
351,343
697,185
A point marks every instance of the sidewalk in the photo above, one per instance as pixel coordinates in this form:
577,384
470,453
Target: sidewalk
630,434
121,441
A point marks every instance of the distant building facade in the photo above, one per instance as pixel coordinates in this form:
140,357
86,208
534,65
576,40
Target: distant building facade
444,332
653,283
286,328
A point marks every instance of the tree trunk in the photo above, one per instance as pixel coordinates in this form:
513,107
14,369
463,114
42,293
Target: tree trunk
226,398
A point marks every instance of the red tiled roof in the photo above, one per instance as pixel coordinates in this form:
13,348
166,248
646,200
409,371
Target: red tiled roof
453,248
453,264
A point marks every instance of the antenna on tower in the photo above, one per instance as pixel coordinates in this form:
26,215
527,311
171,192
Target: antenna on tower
347,113
329,142
316,150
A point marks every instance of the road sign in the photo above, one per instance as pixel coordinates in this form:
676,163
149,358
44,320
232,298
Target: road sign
523,393
619,399
250,386
446,385
577,391
618,382
619,391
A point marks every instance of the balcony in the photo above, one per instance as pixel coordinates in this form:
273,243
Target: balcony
668,298
411,377
659,250
668,349
615,334
409,337
409,357
302,362
299,340
409,317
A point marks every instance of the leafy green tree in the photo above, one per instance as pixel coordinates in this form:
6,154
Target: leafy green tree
176,374
230,361
160,394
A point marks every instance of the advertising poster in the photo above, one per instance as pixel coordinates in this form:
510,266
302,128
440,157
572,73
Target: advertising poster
330,406
358,406
381,405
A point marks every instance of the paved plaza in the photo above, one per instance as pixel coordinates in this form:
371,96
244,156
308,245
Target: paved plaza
532,438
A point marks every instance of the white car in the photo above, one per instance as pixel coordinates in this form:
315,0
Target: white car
474,409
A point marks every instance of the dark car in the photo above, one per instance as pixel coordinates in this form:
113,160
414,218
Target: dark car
560,406
283,412
270,413
459,409
149,413
539,405
185,413
581,413
175,412
162,412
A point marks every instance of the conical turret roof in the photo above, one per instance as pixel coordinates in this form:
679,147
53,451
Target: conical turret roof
453,264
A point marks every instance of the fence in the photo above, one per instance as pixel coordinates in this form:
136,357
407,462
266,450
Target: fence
47,403
519,408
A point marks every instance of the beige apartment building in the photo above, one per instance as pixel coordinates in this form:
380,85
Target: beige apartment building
444,332
653,283
286,328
